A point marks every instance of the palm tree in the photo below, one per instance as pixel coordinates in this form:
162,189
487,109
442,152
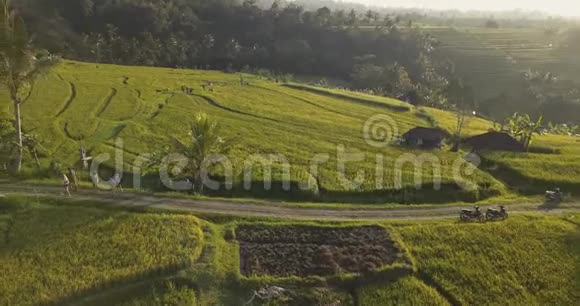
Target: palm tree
205,140
19,65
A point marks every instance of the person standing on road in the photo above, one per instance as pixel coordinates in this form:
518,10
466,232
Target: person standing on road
74,179
66,185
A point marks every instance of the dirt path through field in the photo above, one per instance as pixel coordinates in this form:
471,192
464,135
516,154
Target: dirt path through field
270,210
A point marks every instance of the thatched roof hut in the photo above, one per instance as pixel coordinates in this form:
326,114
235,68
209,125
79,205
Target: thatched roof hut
495,141
422,137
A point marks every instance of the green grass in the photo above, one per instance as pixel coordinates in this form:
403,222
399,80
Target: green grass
448,121
405,291
357,97
525,260
57,251
172,296
535,173
91,105
51,253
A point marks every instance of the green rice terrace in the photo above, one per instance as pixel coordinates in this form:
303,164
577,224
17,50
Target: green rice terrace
493,60
288,153
94,105
135,248
56,252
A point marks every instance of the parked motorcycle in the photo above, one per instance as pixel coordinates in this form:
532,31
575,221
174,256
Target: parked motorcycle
496,214
471,215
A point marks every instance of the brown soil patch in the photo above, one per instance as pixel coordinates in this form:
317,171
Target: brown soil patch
303,250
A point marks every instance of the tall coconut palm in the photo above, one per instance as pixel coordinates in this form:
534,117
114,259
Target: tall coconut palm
204,141
20,64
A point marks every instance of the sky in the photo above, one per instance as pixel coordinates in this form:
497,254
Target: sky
559,7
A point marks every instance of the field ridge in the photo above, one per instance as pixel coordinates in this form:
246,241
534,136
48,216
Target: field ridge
108,100
270,209
444,293
69,100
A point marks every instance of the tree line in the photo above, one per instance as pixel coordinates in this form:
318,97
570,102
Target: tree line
371,51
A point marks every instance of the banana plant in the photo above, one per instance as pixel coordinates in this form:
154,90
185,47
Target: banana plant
531,128
515,126
523,128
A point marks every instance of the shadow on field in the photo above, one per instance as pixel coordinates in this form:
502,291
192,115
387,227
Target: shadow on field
573,243
521,184
277,192
44,231
391,107
128,290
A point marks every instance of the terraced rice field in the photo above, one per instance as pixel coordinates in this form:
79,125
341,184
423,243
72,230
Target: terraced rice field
535,173
405,291
493,60
524,260
51,253
93,105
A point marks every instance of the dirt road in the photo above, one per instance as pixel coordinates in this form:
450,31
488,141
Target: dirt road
270,210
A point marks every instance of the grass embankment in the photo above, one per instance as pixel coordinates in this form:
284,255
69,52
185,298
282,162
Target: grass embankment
51,253
405,291
525,260
173,295
533,173
91,105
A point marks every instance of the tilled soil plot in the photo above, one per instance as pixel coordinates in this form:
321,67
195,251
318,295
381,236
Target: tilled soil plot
303,251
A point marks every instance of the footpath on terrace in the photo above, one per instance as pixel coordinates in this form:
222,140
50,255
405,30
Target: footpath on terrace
262,209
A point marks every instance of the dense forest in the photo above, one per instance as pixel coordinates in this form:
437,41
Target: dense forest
369,50
228,35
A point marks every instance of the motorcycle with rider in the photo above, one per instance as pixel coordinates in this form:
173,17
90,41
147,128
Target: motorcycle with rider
554,196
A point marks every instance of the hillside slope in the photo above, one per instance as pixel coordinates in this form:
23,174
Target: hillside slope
93,105
493,61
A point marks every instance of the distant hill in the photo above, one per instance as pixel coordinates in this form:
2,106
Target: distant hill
494,62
